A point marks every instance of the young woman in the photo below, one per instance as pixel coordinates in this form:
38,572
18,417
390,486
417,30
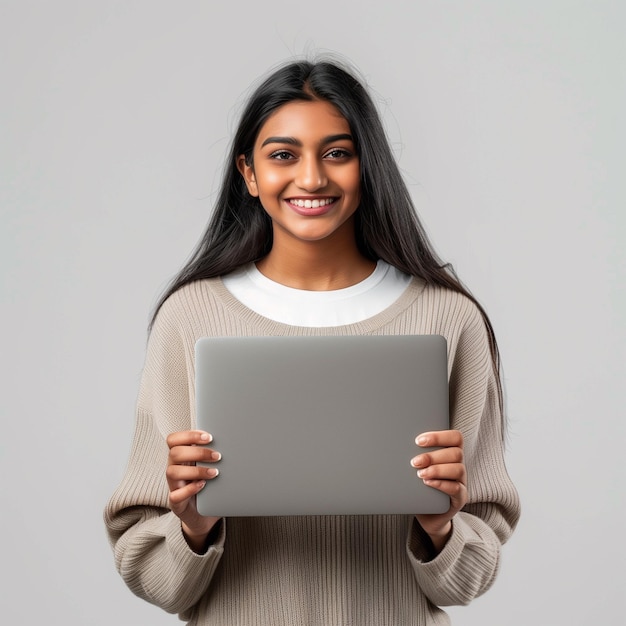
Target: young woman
314,233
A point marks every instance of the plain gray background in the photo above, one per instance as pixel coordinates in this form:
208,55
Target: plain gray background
507,119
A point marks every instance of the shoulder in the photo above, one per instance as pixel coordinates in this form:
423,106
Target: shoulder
428,309
203,308
189,296
450,309
460,320
177,321
189,302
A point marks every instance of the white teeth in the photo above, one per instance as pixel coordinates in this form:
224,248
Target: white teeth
312,204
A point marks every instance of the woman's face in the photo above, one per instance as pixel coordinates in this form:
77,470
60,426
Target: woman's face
305,172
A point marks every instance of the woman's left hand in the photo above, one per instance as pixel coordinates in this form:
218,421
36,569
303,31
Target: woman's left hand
442,469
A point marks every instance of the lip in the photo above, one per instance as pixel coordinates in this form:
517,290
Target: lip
312,211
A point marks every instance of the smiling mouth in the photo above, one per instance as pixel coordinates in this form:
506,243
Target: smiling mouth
312,203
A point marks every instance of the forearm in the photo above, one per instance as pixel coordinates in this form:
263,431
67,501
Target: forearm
200,542
463,569
156,562
438,538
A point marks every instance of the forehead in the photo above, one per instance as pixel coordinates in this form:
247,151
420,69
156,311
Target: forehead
304,120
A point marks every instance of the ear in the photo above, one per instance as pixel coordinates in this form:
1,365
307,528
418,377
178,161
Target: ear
247,171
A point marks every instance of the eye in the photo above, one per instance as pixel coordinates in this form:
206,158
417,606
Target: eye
281,155
338,153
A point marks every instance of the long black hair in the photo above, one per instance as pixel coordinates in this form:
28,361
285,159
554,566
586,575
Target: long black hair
386,223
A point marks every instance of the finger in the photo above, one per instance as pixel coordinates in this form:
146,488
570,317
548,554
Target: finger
443,438
450,471
180,495
443,455
456,490
178,475
189,438
192,454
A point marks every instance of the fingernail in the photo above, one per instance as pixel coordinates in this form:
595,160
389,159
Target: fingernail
205,437
420,473
216,456
422,440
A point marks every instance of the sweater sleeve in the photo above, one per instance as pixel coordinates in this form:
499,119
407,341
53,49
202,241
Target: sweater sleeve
150,551
468,564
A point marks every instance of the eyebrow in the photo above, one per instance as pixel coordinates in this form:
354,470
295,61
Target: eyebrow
292,141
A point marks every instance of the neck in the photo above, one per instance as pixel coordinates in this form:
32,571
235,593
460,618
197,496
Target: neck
317,265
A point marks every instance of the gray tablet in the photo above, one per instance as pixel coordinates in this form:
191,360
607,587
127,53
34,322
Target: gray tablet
320,425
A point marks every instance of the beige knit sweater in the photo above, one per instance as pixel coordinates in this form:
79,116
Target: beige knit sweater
326,570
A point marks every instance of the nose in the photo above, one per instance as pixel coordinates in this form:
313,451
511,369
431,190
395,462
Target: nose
311,175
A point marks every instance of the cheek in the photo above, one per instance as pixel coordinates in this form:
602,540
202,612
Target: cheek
270,181
352,181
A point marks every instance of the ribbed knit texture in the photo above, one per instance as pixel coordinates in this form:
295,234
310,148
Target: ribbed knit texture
321,570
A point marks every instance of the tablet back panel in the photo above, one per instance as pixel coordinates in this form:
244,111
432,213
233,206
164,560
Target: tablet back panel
320,425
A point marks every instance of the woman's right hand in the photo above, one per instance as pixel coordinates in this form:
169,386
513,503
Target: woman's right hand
185,479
